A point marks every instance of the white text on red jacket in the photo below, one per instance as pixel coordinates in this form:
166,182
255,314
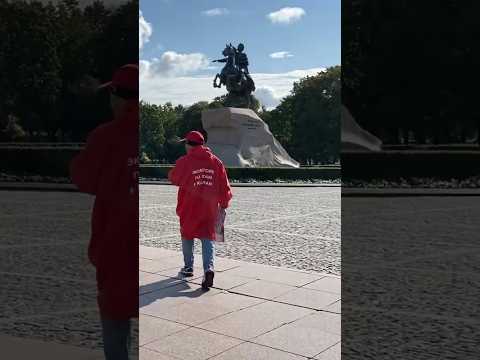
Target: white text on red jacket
203,177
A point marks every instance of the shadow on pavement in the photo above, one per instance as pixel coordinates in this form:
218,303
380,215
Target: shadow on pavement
168,288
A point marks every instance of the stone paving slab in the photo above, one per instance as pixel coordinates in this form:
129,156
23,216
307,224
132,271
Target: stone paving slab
314,299
171,296
249,351
263,289
275,275
204,308
247,315
151,282
332,353
146,354
153,328
226,281
249,323
327,283
336,307
193,344
308,336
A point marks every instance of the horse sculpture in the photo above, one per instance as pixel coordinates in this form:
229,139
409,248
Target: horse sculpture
234,75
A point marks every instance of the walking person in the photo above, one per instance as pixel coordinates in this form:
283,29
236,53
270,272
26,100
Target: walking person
203,196
108,169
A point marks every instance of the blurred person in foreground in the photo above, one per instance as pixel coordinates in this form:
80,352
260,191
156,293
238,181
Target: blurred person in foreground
203,196
108,169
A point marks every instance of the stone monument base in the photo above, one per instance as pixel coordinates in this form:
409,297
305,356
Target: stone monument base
241,139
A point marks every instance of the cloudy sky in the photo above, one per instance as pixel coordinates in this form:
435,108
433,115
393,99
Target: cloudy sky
284,40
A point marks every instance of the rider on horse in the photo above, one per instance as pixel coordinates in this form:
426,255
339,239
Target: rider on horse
241,59
235,75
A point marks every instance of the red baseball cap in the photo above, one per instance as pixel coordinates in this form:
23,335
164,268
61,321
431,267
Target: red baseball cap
124,81
195,137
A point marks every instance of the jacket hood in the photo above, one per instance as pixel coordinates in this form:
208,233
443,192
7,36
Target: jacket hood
201,152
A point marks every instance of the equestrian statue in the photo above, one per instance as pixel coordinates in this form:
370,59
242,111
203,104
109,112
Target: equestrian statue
234,75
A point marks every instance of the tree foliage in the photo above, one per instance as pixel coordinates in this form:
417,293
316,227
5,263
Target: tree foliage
307,122
409,68
53,57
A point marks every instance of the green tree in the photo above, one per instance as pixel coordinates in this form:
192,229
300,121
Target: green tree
307,122
48,52
152,133
389,89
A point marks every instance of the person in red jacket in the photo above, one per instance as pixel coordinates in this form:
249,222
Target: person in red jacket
204,194
108,169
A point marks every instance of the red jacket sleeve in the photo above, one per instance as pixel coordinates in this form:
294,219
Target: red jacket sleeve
175,175
225,189
86,167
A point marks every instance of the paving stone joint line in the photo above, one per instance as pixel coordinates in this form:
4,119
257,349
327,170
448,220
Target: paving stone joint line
325,350
243,341
322,274
248,295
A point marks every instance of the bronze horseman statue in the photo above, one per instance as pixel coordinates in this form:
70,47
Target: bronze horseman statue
234,75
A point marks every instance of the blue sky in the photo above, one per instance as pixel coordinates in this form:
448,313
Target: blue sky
284,41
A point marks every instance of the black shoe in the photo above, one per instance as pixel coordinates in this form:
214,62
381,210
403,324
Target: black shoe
208,279
186,271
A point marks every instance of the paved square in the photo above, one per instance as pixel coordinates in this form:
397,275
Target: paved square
252,319
276,293
288,227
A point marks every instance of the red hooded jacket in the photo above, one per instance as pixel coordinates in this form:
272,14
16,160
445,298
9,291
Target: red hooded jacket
108,169
203,187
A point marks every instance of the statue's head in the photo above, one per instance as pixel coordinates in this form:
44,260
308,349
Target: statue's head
240,47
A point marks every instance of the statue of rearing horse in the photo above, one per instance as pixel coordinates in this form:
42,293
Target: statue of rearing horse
234,75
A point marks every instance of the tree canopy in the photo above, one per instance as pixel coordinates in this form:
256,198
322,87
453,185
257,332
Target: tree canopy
415,80
52,58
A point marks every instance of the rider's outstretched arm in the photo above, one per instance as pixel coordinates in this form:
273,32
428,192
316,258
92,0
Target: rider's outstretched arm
221,60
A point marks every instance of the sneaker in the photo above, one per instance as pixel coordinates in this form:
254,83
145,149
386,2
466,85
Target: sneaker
186,271
208,279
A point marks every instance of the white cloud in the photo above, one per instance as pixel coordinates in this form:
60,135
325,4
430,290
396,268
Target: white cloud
186,90
172,64
216,12
281,55
286,15
144,69
267,97
145,30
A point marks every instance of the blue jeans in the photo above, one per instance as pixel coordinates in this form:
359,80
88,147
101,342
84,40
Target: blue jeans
208,253
116,339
